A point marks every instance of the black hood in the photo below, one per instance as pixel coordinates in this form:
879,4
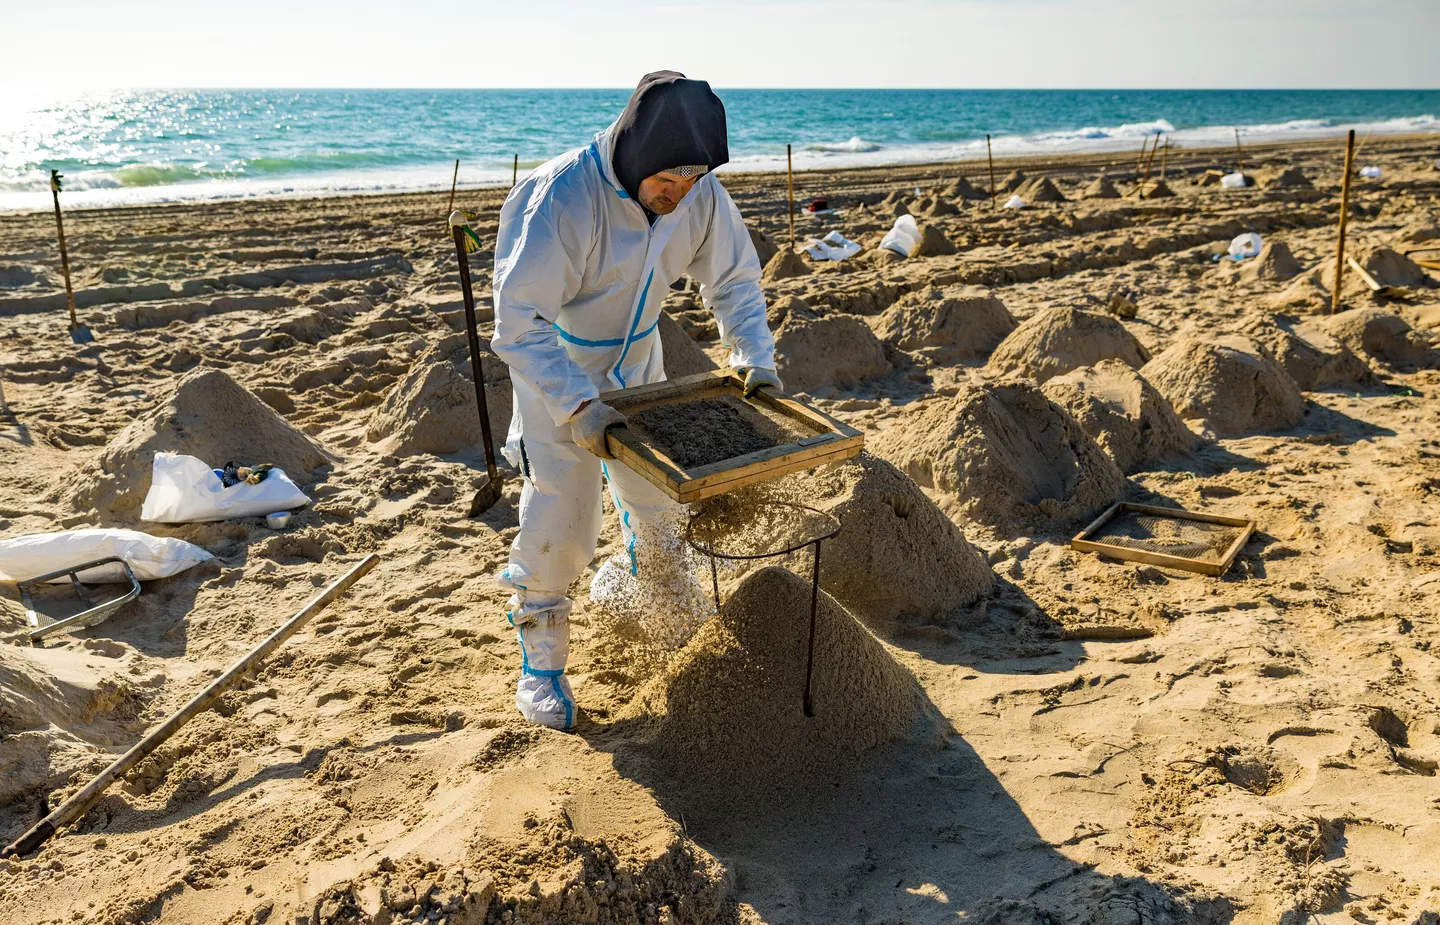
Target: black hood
669,122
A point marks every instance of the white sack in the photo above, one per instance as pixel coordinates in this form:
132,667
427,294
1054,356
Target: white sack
1246,245
903,237
25,557
834,246
1370,173
1234,180
1014,202
185,490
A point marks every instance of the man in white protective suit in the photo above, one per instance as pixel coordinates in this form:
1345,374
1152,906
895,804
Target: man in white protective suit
587,247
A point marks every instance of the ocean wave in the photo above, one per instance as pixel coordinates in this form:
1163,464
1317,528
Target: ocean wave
856,145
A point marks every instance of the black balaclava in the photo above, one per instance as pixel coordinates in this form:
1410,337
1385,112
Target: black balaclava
669,122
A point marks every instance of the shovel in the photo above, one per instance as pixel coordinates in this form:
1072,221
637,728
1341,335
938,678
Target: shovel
466,241
79,333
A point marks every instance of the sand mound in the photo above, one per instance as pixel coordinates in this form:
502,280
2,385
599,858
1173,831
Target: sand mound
938,208
432,409
1057,340
1313,358
683,357
838,350
897,554
1229,386
726,714
1004,454
57,708
961,188
209,416
1014,181
1394,269
1041,189
1125,414
1274,262
1100,188
957,322
1157,189
933,243
765,246
1378,335
1289,178
786,264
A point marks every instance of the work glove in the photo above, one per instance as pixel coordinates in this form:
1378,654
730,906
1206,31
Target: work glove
757,378
588,427
461,218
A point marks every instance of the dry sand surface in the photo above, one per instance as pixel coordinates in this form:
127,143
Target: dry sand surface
1006,732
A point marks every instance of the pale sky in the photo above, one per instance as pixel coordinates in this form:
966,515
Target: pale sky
95,44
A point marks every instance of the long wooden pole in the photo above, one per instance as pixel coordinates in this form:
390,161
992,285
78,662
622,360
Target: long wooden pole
1239,154
76,807
1344,216
1144,144
1164,156
989,156
64,259
515,172
790,194
450,206
1145,174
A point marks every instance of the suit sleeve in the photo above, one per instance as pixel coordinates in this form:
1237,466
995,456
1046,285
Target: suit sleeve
540,256
728,271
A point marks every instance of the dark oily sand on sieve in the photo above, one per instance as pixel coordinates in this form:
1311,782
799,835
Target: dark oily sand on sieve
710,430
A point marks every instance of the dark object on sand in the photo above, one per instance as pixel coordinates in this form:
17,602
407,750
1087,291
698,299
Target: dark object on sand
489,491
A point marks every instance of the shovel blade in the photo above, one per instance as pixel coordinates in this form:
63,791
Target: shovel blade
80,334
486,496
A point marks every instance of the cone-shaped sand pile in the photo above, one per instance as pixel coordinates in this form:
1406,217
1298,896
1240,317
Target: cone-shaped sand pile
1291,177
1041,189
933,243
1157,189
811,353
961,188
939,208
786,264
1274,262
897,554
1125,414
765,246
683,357
1379,335
1230,387
1014,181
948,323
1057,340
433,410
1005,455
210,416
726,715
1311,357
1100,188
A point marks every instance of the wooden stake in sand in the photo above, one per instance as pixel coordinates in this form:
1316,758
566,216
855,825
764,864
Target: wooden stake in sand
450,206
1164,156
1144,143
1239,154
1344,215
1145,172
991,158
79,333
515,172
76,807
790,195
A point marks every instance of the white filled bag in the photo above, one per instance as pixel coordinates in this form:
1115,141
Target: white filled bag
1234,180
1246,245
834,246
185,490
149,557
1014,202
902,238
1370,173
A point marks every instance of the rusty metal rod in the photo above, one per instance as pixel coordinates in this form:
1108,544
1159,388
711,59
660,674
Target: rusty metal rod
76,807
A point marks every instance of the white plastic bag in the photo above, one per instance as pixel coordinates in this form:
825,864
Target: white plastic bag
902,238
834,246
1370,173
1234,180
185,490
1246,245
24,557
1014,202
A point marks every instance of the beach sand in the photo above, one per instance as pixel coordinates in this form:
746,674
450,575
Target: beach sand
1090,741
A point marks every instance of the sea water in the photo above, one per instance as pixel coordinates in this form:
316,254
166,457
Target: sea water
176,145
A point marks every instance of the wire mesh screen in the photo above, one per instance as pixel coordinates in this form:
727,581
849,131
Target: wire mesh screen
1171,536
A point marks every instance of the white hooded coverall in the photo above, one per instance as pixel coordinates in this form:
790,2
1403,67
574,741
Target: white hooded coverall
580,273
